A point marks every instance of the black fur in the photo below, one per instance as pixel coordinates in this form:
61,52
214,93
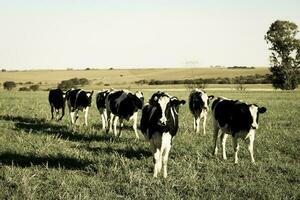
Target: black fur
79,99
100,99
234,114
57,101
124,105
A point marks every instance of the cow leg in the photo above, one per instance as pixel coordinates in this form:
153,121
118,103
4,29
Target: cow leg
72,114
223,142
103,114
116,118
135,118
111,121
157,165
166,146
235,148
156,143
63,113
76,116
198,124
52,110
56,114
86,111
250,146
204,123
194,118
215,139
121,126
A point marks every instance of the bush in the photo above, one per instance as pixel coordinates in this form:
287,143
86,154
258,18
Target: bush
72,83
9,85
24,89
34,87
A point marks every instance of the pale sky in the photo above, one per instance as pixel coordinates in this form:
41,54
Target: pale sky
56,34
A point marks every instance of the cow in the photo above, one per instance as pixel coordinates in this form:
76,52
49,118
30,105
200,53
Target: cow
77,100
123,105
57,100
236,118
159,124
198,104
100,103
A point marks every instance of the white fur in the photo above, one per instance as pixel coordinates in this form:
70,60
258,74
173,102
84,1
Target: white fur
161,145
254,110
163,104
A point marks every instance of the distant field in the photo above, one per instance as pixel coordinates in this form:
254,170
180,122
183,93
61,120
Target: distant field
124,77
42,159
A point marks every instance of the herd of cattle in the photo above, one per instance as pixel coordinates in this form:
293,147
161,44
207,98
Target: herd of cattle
159,120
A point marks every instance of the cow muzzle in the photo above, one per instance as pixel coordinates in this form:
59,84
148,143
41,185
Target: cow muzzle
254,126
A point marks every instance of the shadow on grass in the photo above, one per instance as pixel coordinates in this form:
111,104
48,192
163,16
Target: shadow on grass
41,126
60,161
130,153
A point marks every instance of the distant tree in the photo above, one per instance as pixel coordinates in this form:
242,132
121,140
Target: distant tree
3,70
34,87
9,85
285,58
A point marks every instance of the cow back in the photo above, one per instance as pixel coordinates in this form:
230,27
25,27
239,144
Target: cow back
56,98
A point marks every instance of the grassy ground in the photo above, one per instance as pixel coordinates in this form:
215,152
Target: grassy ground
42,159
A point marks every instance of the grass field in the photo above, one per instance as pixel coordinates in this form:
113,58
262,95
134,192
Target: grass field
42,159
123,77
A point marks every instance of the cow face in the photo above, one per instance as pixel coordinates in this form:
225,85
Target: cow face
165,111
255,111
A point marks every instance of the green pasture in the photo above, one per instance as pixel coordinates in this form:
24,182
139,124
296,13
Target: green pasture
42,159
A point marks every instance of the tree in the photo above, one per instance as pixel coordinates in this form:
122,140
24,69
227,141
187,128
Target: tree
285,54
9,85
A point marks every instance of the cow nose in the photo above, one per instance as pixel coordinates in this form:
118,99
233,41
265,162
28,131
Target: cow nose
163,121
254,126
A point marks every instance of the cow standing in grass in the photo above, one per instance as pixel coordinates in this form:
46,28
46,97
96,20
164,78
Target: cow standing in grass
238,119
57,100
199,106
159,124
100,102
123,105
77,100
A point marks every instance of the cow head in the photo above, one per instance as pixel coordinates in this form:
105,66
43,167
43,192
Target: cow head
140,102
89,97
199,99
255,111
165,110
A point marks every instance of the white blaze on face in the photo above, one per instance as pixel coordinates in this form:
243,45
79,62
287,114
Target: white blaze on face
254,110
163,105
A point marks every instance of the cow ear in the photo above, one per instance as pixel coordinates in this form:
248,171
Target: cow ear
262,110
210,97
177,102
92,92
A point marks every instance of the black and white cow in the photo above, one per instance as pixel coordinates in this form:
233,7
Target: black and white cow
198,104
159,124
238,119
57,100
100,102
77,100
123,104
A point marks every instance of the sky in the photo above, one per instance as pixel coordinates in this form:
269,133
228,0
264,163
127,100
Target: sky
60,34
